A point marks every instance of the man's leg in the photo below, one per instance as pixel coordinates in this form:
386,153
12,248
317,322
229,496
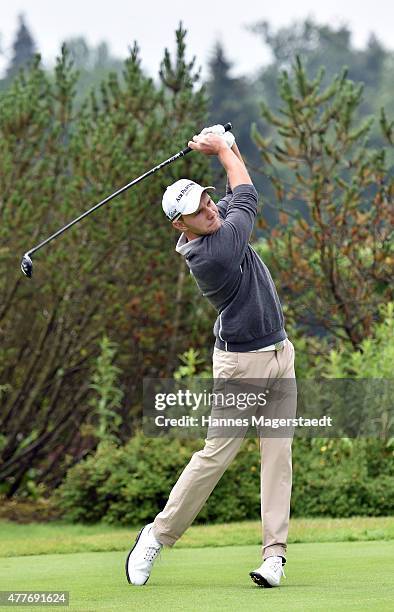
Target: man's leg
193,488
276,463
276,479
202,473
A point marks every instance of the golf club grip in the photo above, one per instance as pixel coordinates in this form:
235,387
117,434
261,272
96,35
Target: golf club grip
227,128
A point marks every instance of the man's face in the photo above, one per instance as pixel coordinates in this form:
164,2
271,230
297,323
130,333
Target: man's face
205,220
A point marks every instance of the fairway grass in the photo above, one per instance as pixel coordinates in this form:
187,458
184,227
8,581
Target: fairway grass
58,537
322,576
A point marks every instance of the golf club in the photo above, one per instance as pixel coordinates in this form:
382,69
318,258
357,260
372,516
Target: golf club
27,263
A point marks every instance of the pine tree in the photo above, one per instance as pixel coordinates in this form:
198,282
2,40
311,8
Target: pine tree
336,266
220,83
24,49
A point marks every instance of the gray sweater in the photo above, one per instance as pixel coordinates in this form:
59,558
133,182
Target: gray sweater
234,279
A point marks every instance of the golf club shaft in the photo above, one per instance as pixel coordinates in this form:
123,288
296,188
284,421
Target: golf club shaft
181,153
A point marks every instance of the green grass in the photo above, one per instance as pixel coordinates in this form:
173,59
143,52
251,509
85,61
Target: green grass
51,538
351,576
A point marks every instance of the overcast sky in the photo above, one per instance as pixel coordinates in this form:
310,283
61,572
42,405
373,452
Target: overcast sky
152,24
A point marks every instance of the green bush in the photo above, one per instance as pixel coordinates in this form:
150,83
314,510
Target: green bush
122,484
342,478
130,484
373,360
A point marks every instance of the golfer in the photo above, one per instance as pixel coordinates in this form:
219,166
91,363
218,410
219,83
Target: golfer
251,343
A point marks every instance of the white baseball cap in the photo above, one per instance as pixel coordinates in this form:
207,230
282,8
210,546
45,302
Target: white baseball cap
182,198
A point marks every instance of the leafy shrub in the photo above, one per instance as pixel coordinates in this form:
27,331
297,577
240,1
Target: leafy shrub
375,357
342,478
130,484
108,396
121,484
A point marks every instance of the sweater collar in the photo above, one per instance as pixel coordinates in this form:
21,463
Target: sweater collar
184,246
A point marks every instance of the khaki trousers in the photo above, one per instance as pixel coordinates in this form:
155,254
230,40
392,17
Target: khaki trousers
206,466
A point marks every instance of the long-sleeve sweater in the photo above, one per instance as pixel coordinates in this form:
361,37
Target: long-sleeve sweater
233,277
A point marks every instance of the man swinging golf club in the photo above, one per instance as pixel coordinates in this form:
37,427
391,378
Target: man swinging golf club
251,343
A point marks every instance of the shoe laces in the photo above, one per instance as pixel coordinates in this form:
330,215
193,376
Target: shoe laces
151,553
277,566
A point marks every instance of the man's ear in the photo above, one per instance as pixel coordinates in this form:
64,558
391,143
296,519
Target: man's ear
179,225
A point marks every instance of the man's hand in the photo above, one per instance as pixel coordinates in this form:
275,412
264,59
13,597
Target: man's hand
208,144
212,144
219,129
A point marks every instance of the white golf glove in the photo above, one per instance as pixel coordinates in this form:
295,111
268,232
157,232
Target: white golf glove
219,130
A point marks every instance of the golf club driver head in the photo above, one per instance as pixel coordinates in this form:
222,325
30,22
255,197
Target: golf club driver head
27,266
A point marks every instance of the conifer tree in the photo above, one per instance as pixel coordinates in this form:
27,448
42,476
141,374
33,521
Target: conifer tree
24,49
336,265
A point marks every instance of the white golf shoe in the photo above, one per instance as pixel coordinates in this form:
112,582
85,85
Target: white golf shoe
269,573
140,559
